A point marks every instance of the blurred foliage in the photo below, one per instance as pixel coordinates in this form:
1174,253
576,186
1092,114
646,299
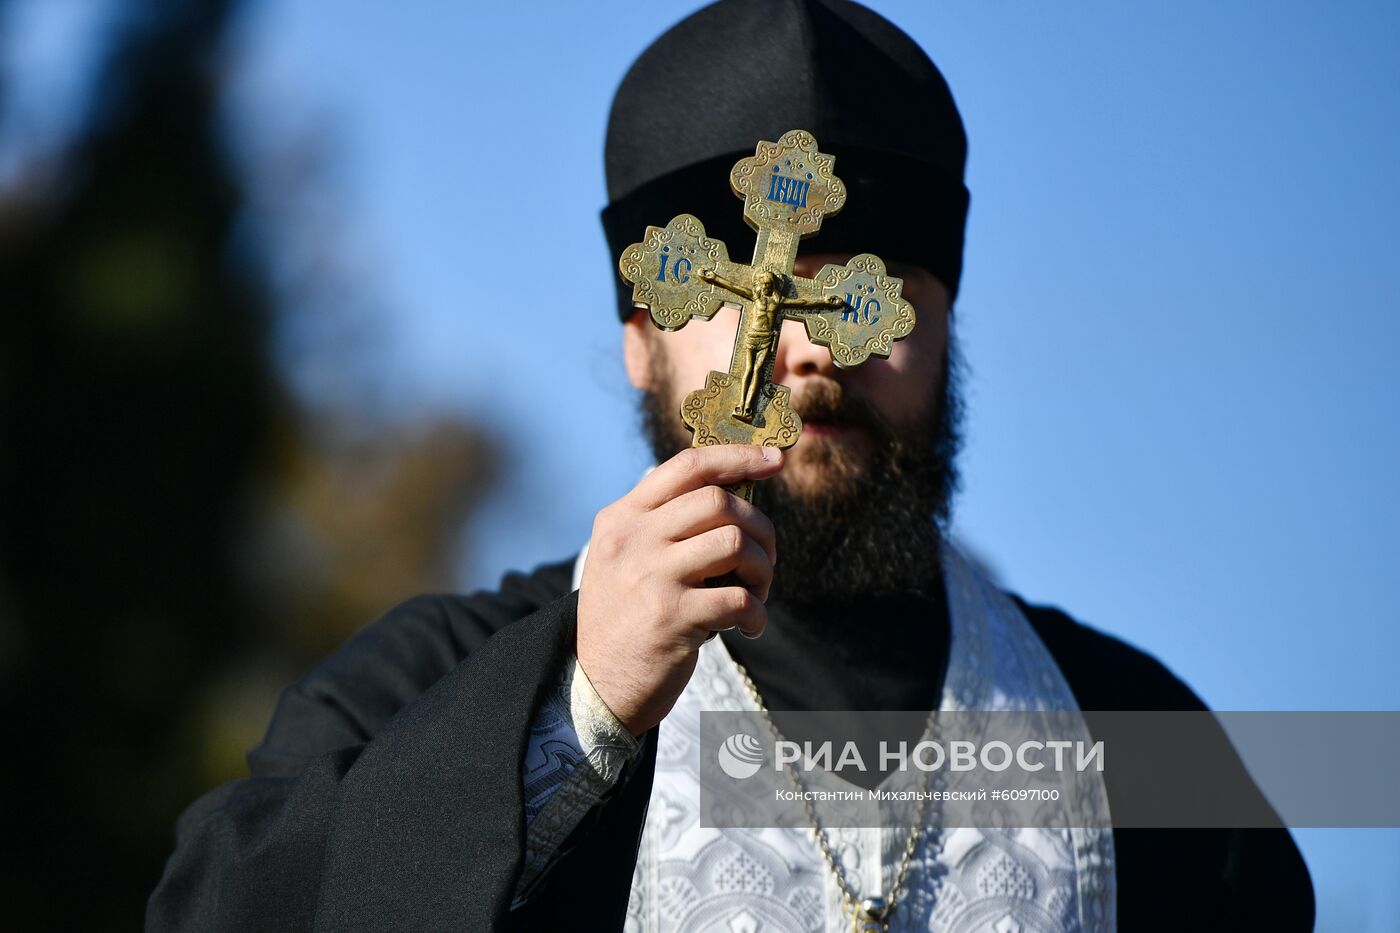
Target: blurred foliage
180,534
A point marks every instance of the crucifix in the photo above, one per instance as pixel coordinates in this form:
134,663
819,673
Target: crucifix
854,310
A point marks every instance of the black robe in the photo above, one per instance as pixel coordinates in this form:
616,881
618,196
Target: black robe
387,793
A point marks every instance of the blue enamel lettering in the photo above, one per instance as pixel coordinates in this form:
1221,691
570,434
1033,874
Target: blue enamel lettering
798,193
860,309
789,191
851,312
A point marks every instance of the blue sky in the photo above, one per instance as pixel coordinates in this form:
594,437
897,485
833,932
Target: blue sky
1179,306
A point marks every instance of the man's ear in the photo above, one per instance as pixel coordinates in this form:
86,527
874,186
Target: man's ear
638,344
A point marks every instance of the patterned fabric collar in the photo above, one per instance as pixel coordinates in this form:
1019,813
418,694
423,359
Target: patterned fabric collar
963,879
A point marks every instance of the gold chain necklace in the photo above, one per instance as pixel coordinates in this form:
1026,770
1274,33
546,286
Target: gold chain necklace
870,914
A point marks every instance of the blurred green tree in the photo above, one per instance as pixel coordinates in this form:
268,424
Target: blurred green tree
179,534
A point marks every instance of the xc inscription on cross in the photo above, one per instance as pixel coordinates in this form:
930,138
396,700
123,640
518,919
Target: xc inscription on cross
678,273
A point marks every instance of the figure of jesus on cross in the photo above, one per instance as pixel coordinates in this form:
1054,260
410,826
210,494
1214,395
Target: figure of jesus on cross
758,337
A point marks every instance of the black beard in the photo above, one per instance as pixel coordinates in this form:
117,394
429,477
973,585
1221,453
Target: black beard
874,528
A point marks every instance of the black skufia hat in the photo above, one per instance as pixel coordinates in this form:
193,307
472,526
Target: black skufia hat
703,95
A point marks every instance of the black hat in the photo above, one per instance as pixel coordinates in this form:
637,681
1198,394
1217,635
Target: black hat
703,95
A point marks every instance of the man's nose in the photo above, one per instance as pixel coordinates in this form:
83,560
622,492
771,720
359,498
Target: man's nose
797,356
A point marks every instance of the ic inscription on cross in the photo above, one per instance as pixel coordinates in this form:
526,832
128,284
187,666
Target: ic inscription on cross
678,273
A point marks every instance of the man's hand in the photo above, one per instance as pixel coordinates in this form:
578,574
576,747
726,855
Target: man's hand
643,607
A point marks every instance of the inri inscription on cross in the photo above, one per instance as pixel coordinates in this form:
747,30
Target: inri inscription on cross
678,273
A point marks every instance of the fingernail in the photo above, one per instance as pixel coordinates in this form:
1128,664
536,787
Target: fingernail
771,454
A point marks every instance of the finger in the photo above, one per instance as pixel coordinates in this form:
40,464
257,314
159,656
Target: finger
723,608
719,551
710,507
721,465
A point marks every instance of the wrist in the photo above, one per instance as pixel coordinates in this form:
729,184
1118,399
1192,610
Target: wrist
595,720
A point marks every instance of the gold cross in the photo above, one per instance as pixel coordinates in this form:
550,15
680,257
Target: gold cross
678,273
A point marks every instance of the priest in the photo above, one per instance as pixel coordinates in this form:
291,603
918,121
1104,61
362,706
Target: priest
524,758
